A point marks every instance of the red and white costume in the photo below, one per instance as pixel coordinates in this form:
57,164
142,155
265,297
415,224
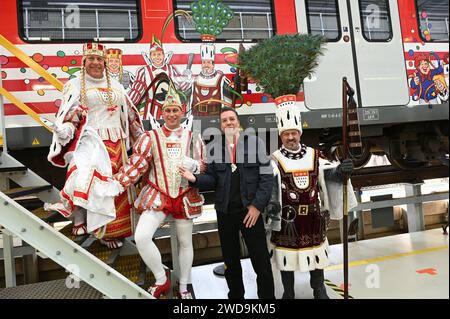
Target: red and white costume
157,155
92,151
209,87
144,77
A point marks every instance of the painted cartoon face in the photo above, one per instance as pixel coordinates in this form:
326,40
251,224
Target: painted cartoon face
424,67
207,67
95,65
439,85
291,139
157,58
114,65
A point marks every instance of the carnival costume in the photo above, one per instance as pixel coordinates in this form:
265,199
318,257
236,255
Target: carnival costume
212,87
157,155
119,74
309,189
95,124
146,75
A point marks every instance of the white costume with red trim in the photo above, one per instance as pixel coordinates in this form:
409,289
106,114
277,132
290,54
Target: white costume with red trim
91,129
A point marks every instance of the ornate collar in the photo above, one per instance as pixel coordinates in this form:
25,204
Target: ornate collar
210,76
95,80
295,155
167,131
162,67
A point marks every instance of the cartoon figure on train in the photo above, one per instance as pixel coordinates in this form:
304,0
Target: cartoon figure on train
115,67
158,62
428,83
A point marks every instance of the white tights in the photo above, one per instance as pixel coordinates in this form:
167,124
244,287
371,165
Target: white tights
148,223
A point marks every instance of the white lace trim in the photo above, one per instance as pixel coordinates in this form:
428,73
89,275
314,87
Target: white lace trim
111,133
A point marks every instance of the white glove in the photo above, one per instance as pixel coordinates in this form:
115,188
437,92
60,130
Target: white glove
112,189
64,131
187,74
191,165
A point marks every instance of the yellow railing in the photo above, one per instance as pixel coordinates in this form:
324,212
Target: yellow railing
23,107
35,67
31,63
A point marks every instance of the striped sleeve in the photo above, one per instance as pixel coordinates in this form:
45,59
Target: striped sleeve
138,163
138,88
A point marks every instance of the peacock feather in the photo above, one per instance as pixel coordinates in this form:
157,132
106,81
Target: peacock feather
210,17
280,64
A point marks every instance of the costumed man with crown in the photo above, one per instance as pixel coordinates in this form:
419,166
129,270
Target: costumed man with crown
308,188
115,68
157,63
94,126
210,84
157,155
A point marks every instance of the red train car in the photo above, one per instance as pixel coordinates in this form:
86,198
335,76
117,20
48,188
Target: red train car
394,53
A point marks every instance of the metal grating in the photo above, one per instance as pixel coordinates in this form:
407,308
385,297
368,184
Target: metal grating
55,289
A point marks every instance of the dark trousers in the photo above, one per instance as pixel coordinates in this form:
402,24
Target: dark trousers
229,226
287,278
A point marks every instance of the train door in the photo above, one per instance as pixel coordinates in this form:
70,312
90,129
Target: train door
364,44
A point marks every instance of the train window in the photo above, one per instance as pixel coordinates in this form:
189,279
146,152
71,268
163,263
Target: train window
375,20
433,20
253,20
79,20
323,18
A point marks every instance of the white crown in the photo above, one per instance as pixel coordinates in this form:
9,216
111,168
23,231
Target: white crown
288,114
207,51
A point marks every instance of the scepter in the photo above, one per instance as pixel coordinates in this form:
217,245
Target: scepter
349,117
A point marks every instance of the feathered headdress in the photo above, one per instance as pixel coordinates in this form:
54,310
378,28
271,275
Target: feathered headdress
210,17
279,65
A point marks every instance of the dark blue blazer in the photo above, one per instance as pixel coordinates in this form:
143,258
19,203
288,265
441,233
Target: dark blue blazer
255,171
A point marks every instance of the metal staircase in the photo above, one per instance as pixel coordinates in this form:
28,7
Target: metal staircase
82,256
74,258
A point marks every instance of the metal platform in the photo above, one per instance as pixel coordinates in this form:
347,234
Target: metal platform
406,266
56,289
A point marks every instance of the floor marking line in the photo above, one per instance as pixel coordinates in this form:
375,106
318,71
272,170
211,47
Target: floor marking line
390,257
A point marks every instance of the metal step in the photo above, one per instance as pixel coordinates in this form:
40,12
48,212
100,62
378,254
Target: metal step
25,191
53,244
12,169
56,289
48,217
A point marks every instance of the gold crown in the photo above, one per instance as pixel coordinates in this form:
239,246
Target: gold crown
94,49
114,53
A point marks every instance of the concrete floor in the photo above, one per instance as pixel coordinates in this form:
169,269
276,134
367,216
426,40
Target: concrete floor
406,266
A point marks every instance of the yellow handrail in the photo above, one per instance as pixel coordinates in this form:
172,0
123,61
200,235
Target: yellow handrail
31,63
23,107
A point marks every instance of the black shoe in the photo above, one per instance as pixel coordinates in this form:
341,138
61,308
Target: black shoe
320,293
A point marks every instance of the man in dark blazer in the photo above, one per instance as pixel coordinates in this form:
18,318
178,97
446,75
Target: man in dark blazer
239,171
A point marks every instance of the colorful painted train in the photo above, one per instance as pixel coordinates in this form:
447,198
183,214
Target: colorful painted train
395,53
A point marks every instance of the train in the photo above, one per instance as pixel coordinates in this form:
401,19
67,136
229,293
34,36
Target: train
394,53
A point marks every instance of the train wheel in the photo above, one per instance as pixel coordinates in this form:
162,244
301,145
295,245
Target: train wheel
358,161
400,160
